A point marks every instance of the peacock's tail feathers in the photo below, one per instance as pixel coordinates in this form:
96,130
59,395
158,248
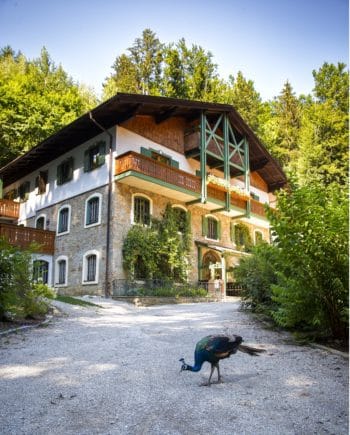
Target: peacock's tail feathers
254,351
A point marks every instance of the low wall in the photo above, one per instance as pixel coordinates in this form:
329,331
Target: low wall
146,301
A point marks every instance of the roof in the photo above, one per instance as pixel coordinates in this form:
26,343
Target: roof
122,107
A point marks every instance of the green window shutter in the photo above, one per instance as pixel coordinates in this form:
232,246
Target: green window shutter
232,232
87,161
219,230
146,152
70,168
59,175
204,226
174,164
101,153
1,191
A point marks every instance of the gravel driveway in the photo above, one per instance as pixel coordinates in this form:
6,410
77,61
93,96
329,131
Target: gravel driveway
115,370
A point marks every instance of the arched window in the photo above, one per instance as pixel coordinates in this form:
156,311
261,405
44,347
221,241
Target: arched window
93,210
40,222
181,218
40,271
141,210
61,271
63,221
258,235
90,267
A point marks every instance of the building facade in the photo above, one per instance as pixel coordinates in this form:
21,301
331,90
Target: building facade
79,192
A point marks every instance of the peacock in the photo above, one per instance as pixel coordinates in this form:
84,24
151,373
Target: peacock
213,348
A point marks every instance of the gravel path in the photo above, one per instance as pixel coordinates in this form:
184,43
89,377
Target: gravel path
115,370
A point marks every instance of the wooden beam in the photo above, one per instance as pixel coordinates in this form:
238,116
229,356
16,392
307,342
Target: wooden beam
164,115
258,164
128,114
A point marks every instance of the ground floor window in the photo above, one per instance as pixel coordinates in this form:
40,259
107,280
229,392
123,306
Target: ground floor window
40,271
61,271
90,267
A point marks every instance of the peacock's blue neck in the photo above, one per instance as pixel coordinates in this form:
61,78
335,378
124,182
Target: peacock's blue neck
198,362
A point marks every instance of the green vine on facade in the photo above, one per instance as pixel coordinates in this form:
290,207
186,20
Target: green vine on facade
240,235
160,251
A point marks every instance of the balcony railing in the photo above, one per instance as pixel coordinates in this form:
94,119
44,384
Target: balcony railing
9,209
135,162
24,237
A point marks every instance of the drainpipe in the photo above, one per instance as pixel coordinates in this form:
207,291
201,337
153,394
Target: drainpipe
109,202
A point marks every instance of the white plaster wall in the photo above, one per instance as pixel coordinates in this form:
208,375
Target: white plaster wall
81,182
129,141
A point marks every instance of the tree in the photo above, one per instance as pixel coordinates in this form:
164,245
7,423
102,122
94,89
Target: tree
311,233
284,127
245,99
37,98
324,136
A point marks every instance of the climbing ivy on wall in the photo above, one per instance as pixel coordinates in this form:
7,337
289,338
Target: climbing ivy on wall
160,251
240,235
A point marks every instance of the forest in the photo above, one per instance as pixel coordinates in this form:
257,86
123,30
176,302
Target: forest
301,281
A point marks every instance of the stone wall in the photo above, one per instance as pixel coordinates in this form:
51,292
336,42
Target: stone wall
77,242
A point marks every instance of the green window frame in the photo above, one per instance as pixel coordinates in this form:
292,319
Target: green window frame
211,227
65,171
95,156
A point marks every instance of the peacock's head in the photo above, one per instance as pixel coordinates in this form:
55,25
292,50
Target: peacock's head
184,365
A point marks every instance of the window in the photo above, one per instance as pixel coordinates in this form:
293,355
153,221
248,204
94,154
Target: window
65,171
23,191
181,218
61,271
40,222
40,271
259,238
240,236
158,156
95,156
41,181
90,267
142,210
63,222
211,227
93,210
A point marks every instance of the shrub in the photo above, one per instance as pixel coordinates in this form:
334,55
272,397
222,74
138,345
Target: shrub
19,296
256,274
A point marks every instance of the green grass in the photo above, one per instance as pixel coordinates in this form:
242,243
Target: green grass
75,301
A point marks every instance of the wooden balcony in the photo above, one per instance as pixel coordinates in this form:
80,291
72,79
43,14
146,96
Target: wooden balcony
132,161
9,209
173,180
24,237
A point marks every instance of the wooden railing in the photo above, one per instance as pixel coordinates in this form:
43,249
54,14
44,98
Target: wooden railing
132,161
145,165
257,207
9,209
24,237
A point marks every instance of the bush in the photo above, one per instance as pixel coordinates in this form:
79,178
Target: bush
173,291
255,274
19,296
311,228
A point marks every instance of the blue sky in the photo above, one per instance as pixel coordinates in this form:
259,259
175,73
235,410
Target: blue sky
270,41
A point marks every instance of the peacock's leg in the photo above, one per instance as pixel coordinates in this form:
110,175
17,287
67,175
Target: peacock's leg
211,374
219,376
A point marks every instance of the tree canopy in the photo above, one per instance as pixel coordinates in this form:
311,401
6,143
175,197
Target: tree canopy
37,98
